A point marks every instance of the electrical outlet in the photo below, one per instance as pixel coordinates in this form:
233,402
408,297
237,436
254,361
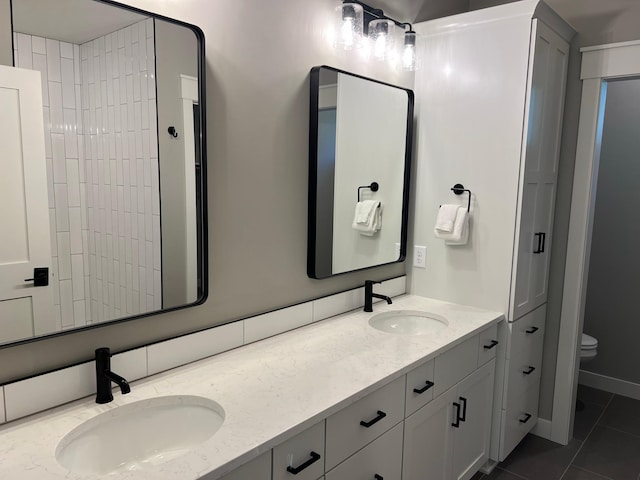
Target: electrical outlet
420,256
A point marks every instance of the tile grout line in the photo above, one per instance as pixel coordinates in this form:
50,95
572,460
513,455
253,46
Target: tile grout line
587,437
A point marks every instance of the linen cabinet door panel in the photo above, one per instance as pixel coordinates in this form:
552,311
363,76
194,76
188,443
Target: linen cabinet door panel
471,440
543,228
301,457
257,469
380,459
427,440
521,300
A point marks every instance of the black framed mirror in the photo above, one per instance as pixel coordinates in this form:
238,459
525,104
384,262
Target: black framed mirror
360,142
123,109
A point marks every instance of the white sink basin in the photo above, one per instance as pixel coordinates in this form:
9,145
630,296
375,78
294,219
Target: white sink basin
408,322
148,432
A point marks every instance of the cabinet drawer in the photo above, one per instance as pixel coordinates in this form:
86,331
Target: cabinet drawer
382,457
380,410
302,449
487,344
420,384
524,370
455,364
518,420
257,469
527,330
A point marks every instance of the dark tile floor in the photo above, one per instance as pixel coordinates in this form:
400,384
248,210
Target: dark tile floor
606,445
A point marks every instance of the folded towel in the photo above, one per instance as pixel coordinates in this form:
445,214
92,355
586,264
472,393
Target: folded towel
365,211
446,218
374,222
460,233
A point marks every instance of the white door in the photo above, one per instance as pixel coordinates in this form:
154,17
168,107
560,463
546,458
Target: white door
541,153
25,310
427,440
471,441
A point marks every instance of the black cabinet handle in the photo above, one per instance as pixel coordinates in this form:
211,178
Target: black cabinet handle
527,416
420,391
529,370
540,247
532,330
544,238
491,345
378,477
373,421
463,418
456,424
296,470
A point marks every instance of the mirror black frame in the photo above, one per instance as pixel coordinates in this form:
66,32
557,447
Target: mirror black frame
201,187
312,270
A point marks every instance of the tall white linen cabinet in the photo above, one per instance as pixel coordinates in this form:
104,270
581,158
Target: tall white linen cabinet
489,105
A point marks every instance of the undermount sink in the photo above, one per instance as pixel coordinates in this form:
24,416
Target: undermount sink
141,434
408,322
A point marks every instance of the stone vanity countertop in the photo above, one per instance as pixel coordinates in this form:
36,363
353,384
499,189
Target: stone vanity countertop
270,390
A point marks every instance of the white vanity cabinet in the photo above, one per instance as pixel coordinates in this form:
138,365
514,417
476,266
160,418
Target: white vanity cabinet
449,437
257,469
301,457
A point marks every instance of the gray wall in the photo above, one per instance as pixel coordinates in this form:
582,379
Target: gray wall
258,58
611,312
6,45
176,53
597,23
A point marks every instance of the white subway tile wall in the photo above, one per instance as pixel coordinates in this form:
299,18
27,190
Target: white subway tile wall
102,170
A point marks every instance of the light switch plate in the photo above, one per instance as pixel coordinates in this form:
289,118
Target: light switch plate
420,256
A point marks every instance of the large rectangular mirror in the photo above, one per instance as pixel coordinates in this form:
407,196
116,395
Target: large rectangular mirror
102,165
360,142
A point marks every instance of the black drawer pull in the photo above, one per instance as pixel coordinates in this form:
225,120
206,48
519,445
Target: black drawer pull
532,330
541,239
491,345
463,417
378,477
373,421
456,424
527,416
529,370
296,470
420,391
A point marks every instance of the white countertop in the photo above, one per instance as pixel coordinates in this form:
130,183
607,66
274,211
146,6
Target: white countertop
270,391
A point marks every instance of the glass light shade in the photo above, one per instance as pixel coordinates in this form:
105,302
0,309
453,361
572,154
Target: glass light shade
409,51
381,33
349,20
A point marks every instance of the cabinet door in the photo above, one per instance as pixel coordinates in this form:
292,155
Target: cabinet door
301,457
471,439
541,145
257,469
427,440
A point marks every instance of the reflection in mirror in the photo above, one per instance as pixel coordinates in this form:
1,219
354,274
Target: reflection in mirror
359,159
104,145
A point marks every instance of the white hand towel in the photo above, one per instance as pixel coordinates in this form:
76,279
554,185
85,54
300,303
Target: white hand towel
365,211
375,222
446,218
460,233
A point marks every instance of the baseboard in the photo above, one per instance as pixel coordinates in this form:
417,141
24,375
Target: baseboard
609,384
543,429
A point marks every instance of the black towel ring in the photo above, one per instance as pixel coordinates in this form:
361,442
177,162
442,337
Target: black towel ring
373,187
459,189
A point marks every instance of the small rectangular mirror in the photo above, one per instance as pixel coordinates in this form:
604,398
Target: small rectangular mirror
360,141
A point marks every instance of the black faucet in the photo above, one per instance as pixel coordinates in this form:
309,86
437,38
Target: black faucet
104,377
368,296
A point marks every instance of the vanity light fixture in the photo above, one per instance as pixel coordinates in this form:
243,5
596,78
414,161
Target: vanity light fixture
363,26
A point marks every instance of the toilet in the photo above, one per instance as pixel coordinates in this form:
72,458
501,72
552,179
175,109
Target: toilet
588,348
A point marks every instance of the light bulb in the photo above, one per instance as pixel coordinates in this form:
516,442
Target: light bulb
381,34
409,53
349,19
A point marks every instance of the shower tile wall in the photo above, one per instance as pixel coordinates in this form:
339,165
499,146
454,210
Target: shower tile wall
102,169
121,155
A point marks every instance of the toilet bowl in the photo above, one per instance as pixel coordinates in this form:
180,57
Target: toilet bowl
588,348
